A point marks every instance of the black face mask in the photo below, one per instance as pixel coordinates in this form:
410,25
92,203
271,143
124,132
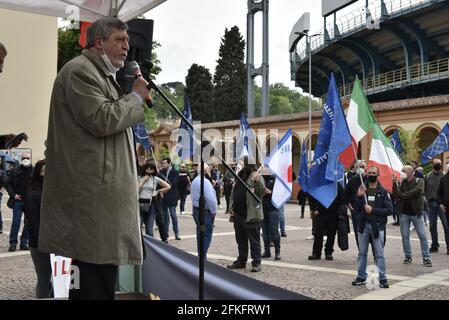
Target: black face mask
372,179
437,167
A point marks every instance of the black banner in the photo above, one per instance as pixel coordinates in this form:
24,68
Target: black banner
172,274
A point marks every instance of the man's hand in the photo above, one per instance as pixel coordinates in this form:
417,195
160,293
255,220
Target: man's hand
267,191
443,207
350,207
18,197
315,213
361,191
140,87
256,176
368,209
395,180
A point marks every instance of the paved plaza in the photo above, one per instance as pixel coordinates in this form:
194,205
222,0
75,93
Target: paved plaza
322,279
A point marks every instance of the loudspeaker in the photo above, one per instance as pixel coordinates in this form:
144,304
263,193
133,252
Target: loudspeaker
141,43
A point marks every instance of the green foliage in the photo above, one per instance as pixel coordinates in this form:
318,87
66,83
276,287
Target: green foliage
175,92
155,60
68,46
199,90
283,100
150,118
230,77
410,145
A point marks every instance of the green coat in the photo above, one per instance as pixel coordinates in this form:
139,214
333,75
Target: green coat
89,206
413,190
253,207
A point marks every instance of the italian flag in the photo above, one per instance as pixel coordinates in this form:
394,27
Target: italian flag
385,158
360,121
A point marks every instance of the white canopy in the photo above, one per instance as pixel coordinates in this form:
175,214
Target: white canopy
83,10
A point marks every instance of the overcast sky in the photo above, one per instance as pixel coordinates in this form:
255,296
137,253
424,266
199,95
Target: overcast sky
190,32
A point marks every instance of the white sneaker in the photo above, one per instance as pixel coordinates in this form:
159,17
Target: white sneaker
220,207
182,212
411,228
325,238
310,237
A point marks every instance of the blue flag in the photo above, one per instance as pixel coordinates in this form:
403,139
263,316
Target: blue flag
396,142
324,175
142,136
303,178
440,145
340,137
246,134
185,146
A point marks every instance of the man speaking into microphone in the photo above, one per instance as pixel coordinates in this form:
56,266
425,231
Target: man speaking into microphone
89,203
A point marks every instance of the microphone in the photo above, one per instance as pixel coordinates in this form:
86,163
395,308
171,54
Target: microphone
135,71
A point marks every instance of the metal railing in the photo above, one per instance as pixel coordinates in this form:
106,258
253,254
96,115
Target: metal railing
416,74
356,21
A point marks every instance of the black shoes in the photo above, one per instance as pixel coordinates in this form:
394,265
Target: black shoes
329,257
164,240
396,223
384,284
358,282
1,230
236,265
177,238
314,257
277,256
12,248
408,260
433,249
427,262
266,255
24,247
283,234
256,268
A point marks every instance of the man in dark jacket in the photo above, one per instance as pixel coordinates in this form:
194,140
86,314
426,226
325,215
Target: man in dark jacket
170,199
17,190
431,186
228,182
183,186
410,193
326,220
372,218
443,195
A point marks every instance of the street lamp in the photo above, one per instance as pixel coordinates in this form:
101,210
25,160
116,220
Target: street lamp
309,50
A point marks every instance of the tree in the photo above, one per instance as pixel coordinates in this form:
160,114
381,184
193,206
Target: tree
175,92
199,89
230,77
68,46
410,145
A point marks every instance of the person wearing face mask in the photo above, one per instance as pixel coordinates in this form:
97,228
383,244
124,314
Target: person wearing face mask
89,208
183,186
410,193
431,186
17,188
32,212
373,217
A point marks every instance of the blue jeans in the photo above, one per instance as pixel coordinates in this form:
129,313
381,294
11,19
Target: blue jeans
209,229
418,222
435,212
378,247
282,220
147,217
270,231
15,226
166,218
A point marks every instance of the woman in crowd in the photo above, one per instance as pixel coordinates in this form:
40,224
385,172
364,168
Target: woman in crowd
149,187
32,211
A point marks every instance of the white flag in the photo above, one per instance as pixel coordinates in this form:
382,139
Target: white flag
280,163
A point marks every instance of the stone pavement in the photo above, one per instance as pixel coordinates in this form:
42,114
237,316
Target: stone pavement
322,279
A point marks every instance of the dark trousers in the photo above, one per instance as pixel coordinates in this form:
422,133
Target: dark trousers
227,194
218,194
324,223
270,231
96,282
160,226
182,200
303,208
41,261
247,232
